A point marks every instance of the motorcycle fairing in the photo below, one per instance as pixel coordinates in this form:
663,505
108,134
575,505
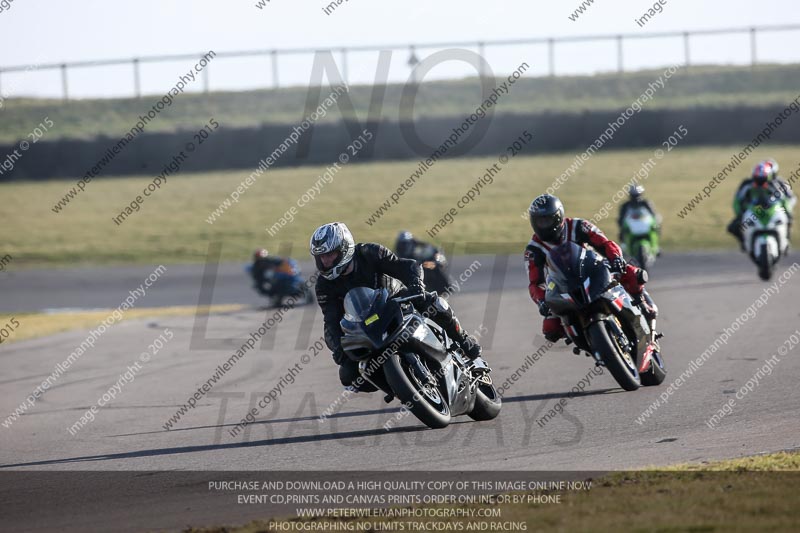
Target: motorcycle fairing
374,322
371,321
579,281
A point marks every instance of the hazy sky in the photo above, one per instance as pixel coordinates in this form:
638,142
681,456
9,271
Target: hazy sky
36,31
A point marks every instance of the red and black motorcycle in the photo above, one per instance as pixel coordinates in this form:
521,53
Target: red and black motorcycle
600,318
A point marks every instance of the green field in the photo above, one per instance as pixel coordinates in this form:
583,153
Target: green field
701,86
171,226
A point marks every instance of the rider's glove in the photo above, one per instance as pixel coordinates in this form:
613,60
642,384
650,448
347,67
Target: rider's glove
544,309
618,265
416,288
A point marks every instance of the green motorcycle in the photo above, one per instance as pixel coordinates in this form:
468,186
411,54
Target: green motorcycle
640,230
765,233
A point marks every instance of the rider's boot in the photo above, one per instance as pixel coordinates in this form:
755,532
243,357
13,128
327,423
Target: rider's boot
645,302
443,315
468,344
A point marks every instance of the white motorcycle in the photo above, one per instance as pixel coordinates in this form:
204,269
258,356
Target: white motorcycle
765,230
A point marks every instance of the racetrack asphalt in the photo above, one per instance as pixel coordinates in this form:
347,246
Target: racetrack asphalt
699,294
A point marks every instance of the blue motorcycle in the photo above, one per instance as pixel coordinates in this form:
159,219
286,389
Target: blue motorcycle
279,280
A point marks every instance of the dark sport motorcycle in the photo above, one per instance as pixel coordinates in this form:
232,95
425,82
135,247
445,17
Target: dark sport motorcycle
434,265
600,318
435,273
411,358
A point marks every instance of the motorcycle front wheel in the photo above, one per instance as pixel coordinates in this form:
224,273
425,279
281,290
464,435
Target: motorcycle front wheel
656,373
764,264
644,257
424,401
487,401
620,364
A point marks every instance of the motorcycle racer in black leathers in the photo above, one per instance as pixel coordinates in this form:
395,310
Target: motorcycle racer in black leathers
343,265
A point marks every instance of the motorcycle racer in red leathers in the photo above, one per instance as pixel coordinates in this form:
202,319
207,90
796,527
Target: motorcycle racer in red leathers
551,228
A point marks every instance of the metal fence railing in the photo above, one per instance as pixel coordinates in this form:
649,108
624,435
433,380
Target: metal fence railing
684,38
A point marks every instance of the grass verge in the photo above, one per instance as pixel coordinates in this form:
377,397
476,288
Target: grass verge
35,325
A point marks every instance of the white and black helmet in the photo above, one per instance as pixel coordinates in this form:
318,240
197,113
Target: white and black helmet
332,237
775,167
635,191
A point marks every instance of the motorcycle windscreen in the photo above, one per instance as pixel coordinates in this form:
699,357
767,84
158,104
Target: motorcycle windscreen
599,275
639,221
576,276
369,313
562,278
359,302
564,264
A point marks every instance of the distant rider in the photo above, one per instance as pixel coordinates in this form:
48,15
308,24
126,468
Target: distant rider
270,271
763,180
344,265
551,228
407,247
782,189
636,199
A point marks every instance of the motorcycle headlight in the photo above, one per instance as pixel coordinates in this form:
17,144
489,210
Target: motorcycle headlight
419,331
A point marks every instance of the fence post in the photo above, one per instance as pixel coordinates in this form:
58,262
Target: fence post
413,61
482,53
64,87
686,50
620,58
753,50
137,85
551,56
344,67
275,81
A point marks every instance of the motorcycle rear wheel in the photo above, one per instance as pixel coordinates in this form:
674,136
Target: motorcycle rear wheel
626,374
405,386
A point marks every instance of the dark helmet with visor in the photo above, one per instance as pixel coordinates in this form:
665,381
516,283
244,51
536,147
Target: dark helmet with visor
547,217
